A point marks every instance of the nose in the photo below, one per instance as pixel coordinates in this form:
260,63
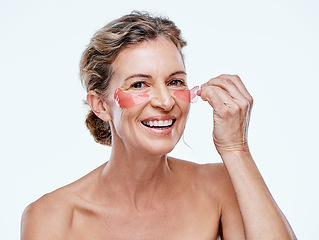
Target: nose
162,98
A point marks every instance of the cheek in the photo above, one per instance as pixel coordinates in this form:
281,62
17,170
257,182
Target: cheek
123,122
126,100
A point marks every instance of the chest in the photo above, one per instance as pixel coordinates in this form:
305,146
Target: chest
178,221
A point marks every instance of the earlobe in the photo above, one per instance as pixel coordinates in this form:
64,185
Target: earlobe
98,105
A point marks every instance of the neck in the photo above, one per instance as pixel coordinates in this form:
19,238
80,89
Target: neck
136,177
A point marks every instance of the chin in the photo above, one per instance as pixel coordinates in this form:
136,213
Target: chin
159,149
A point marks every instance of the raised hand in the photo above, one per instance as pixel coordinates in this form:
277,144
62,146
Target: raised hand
232,105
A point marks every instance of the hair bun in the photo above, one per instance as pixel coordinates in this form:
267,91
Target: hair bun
99,129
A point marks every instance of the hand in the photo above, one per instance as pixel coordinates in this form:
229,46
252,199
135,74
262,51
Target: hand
232,105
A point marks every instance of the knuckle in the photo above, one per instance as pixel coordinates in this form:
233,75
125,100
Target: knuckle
222,112
212,81
235,108
213,89
226,81
223,76
236,77
245,105
251,100
208,93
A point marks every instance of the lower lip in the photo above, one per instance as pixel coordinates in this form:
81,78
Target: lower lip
160,131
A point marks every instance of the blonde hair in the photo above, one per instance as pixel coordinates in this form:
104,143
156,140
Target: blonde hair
96,61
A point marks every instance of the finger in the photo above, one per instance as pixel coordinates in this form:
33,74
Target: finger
231,89
218,98
239,84
228,85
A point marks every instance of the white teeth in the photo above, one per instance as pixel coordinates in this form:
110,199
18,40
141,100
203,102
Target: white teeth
159,123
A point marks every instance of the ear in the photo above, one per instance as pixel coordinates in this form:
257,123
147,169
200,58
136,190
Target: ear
98,105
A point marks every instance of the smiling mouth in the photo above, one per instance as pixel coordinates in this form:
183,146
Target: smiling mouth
161,124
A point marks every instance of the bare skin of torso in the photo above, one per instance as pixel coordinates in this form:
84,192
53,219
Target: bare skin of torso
188,207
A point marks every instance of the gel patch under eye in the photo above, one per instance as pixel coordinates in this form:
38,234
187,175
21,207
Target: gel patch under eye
187,95
126,100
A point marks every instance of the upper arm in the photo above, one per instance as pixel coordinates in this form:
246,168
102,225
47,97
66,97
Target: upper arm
223,194
45,219
232,226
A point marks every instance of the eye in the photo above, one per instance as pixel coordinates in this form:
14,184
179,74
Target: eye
138,85
177,83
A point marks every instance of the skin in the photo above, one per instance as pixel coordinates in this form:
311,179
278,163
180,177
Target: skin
141,193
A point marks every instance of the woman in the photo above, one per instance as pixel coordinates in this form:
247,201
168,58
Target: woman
134,73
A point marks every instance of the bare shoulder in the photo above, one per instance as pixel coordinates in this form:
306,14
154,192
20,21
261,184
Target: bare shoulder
48,217
51,216
212,177
217,181
215,172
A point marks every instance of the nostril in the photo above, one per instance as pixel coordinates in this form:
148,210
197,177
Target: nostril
163,99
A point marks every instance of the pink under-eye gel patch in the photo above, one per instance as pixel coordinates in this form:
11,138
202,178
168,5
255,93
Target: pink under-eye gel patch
126,100
187,95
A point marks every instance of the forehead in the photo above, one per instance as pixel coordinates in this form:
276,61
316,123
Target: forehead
157,58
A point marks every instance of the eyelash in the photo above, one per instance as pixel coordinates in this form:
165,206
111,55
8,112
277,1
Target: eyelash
134,85
174,82
179,82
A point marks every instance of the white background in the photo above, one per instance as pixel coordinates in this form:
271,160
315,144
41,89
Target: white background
272,45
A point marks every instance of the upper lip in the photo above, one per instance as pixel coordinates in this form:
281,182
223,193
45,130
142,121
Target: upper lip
159,118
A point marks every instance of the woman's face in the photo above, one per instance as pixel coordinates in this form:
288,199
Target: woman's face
154,68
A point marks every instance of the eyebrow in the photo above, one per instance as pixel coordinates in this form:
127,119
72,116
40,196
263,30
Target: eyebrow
140,75
177,73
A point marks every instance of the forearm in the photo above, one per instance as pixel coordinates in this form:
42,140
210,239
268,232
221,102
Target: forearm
261,216
232,105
